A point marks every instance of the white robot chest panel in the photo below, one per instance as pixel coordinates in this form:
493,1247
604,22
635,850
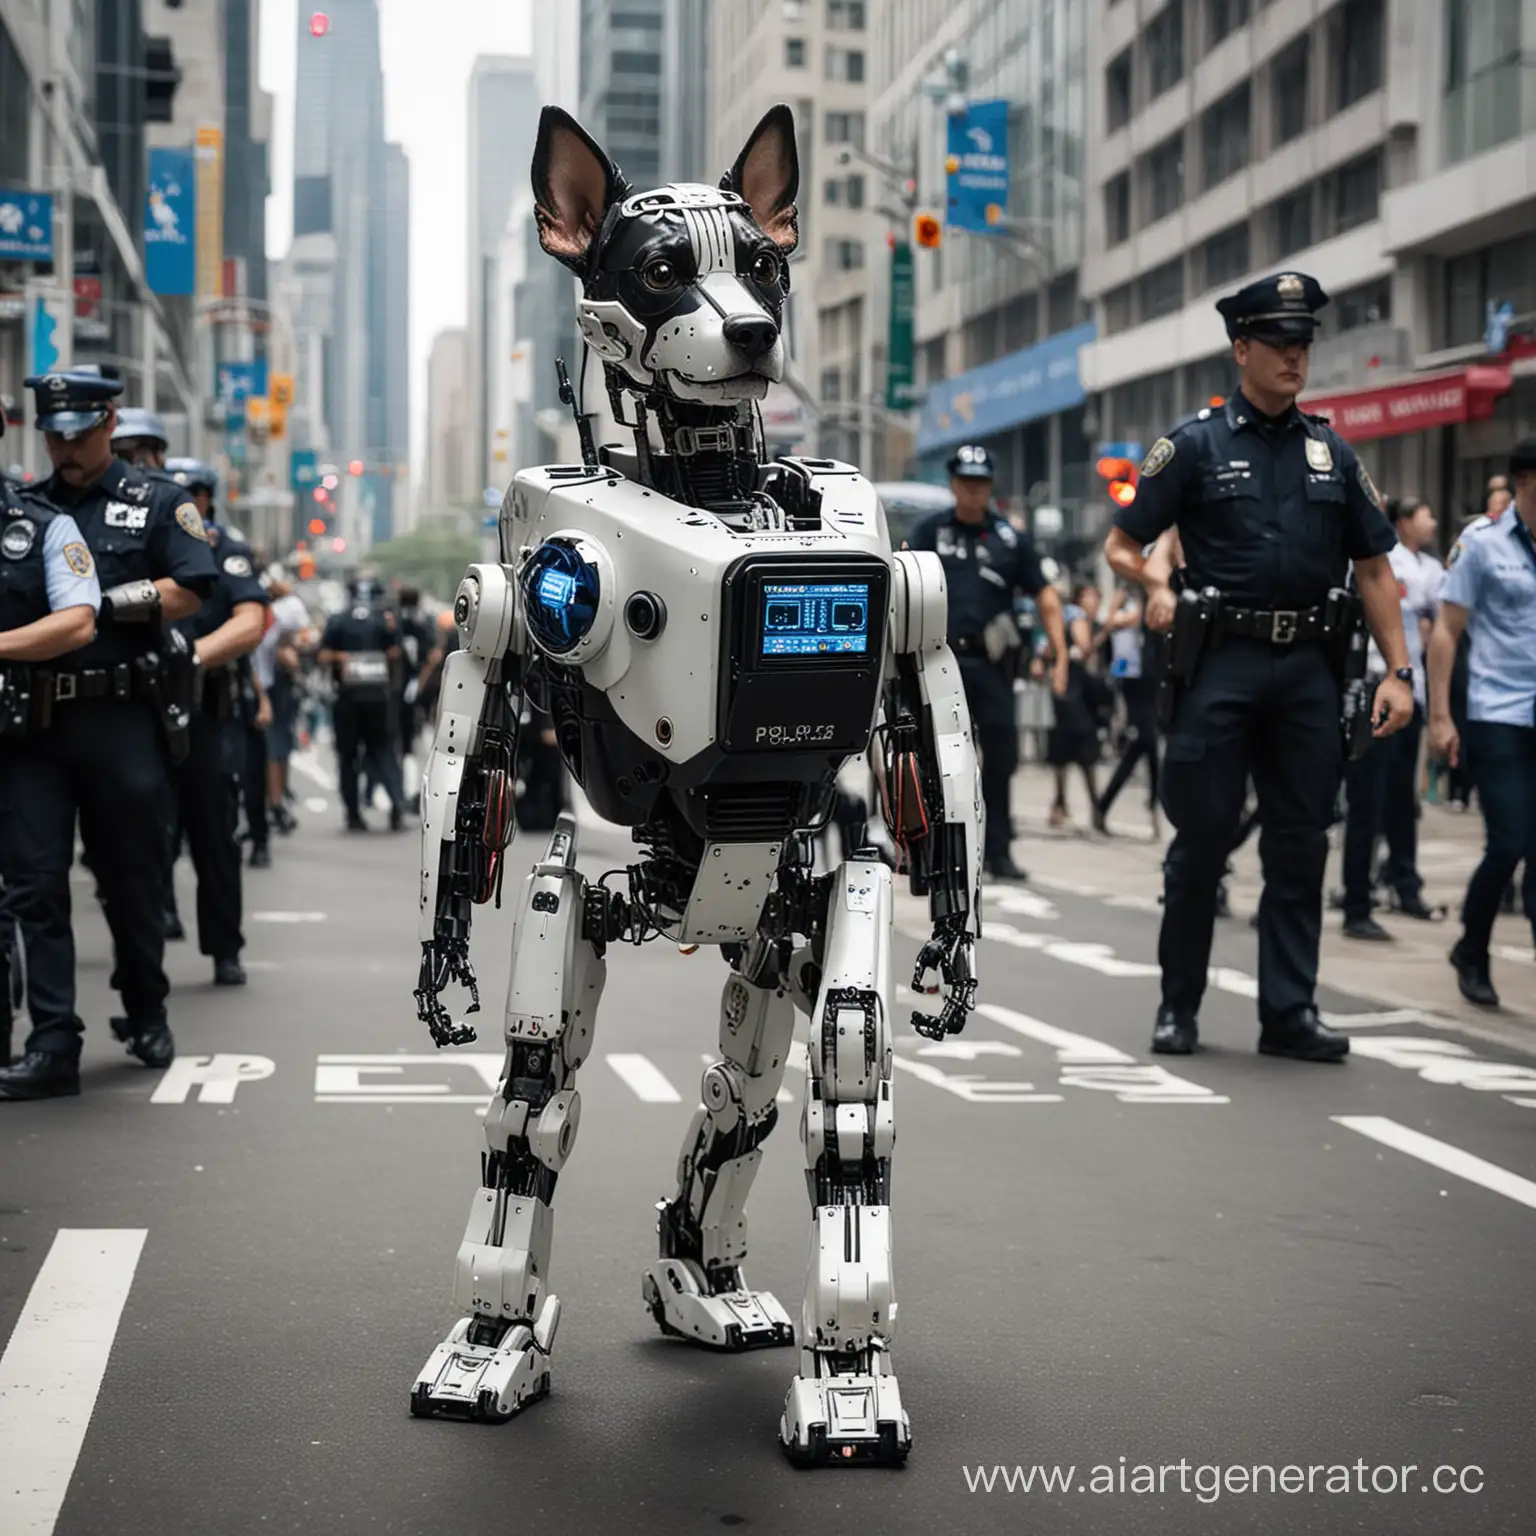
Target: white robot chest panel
706,641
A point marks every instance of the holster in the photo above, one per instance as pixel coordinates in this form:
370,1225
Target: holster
168,681
1194,623
1348,650
16,701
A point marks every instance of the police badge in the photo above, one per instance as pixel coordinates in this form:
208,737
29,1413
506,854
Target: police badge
1158,459
187,516
1289,286
1368,486
1319,455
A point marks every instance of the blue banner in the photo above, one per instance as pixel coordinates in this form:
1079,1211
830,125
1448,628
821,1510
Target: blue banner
170,222
239,382
303,470
1023,386
26,226
978,167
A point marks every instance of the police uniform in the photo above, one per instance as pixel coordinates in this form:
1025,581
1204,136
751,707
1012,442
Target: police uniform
207,782
985,564
1492,575
364,713
107,736
1270,514
415,647
45,567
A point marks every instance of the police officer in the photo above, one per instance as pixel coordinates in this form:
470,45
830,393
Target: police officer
1490,590
416,640
110,702
361,648
48,601
986,561
1271,507
225,630
140,438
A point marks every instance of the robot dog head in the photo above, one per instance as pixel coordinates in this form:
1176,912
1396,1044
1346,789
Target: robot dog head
683,287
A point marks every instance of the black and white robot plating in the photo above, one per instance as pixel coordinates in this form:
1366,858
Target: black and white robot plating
712,635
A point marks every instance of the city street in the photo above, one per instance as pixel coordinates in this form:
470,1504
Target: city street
217,1285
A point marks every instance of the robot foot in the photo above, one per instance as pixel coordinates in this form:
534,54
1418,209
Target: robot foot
487,1370
677,1293
845,1417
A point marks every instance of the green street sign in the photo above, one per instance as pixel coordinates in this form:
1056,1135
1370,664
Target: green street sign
901,392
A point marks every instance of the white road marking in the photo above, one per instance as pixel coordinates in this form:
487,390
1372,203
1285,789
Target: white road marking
317,805
1380,1020
1066,887
215,1077
1510,952
308,764
1442,1155
1446,1061
1017,901
645,1079
1071,1049
968,1050
288,917
976,1090
1136,904
53,1367
339,1078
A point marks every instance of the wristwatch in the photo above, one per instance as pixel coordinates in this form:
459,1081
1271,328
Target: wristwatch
1404,674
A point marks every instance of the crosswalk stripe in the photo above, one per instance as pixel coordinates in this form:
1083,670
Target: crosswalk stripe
1070,1048
1442,1155
53,1367
645,1079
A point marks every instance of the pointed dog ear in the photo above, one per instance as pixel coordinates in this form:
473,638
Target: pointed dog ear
574,185
767,175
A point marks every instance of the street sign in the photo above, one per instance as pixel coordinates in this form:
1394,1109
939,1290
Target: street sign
26,225
303,469
978,167
170,222
900,389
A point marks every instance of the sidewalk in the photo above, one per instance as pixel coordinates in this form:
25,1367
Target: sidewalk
1411,973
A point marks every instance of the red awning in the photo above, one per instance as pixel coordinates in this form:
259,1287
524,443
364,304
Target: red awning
1432,400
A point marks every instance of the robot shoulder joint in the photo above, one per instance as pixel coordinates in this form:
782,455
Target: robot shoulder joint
919,601
485,611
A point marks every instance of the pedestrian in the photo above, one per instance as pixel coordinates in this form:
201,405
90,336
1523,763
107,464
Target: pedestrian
1382,786
224,631
277,664
119,704
415,633
1272,506
986,562
361,651
1490,594
1135,666
1074,735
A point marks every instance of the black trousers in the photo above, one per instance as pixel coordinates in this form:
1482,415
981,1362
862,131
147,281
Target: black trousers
366,739
1505,756
252,769
989,696
205,815
104,760
1383,800
1272,712
1140,695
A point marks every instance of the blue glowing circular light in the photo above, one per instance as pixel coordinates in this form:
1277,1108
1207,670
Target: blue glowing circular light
560,595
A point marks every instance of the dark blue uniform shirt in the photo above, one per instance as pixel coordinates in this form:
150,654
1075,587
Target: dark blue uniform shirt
365,635
984,565
1269,513
237,583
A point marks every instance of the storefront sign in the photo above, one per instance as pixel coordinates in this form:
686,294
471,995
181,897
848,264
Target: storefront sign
1415,405
900,391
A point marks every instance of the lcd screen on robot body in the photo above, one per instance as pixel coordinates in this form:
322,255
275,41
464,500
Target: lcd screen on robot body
805,619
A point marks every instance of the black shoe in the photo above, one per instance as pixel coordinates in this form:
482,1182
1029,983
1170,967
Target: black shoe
261,858
228,973
356,824
396,819
1004,869
1176,1032
1366,928
41,1075
1223,904
1473,979
173,928
283,819
1100,822
1305,1037
151,1042
1416,906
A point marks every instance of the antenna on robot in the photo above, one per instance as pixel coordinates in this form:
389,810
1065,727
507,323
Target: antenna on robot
583,423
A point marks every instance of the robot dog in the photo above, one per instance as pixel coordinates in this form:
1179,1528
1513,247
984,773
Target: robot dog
712,637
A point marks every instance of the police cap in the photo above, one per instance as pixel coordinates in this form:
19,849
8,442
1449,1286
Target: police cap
193,474
133,421
972,462
72,403
1274,309
1522,461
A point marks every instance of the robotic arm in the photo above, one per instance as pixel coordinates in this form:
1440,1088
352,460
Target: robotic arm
931,787
467,791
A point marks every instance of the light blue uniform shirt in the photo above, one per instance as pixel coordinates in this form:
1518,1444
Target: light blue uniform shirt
1493,576
69,566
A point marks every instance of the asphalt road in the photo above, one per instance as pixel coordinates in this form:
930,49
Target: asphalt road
215,1295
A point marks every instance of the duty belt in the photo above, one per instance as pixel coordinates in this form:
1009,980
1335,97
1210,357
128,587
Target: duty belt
1280,626
969,645
88,683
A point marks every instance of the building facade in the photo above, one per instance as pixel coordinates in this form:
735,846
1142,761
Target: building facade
1388,147
449,477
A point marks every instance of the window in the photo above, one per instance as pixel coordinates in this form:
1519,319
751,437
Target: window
931,367
845,128
1117,208
1225,16
1165,48
1366,305
1356,192
1293,223
1288,89
794,10
1503,273
1162,289
794,52
1019,323
845,64
1224,135
845,15
844,255
1117,92
1165,172
831,385
1227,255
1062,304
1355,43
844,192
1117,309
1483,71
15,111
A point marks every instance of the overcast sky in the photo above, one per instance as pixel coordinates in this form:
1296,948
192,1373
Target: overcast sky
428,48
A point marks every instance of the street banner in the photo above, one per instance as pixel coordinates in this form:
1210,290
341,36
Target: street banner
26,224
978,167
170,223
210,213
900,390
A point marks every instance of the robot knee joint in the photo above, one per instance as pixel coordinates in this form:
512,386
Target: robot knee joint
553,1134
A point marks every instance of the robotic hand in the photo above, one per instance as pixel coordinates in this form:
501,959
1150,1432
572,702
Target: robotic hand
950,952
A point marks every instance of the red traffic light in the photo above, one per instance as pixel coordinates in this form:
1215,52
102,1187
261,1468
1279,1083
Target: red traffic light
355,467
319,24
927,231
1116,469
1122,492
317,526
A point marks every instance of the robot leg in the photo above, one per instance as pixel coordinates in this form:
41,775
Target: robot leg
845,1404
696,1290
496,1359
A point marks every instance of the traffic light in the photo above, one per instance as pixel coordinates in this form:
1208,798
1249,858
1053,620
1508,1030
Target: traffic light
927,231
317,526
1120,476
355,468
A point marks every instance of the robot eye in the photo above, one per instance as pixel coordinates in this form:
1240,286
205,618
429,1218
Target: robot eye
661,276
766,269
